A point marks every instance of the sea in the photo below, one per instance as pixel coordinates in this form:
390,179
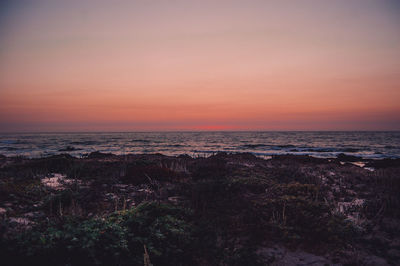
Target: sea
325,144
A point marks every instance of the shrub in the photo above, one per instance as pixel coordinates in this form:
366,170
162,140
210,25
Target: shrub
115,240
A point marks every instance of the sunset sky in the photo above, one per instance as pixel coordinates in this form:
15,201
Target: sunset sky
199,65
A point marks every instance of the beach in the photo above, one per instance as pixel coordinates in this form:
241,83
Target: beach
201,133
224,209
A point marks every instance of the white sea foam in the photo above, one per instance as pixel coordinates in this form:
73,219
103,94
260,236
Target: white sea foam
371,145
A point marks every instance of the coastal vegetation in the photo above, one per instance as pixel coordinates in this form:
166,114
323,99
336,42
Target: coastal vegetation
226,209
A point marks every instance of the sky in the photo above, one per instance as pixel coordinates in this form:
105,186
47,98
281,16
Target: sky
199,65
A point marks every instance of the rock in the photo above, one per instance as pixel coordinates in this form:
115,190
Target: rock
2,211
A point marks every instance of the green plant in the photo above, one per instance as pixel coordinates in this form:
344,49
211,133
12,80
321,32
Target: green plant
115,240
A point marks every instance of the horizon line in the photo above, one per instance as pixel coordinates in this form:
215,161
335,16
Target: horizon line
185,131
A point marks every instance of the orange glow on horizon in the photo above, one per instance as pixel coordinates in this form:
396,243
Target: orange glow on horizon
225,65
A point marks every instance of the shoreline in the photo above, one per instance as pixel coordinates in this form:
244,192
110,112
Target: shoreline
78,153
340,157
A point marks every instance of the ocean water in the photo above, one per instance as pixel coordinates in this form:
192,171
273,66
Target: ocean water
324,144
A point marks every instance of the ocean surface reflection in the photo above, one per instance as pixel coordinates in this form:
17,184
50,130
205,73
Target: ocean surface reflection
320,144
